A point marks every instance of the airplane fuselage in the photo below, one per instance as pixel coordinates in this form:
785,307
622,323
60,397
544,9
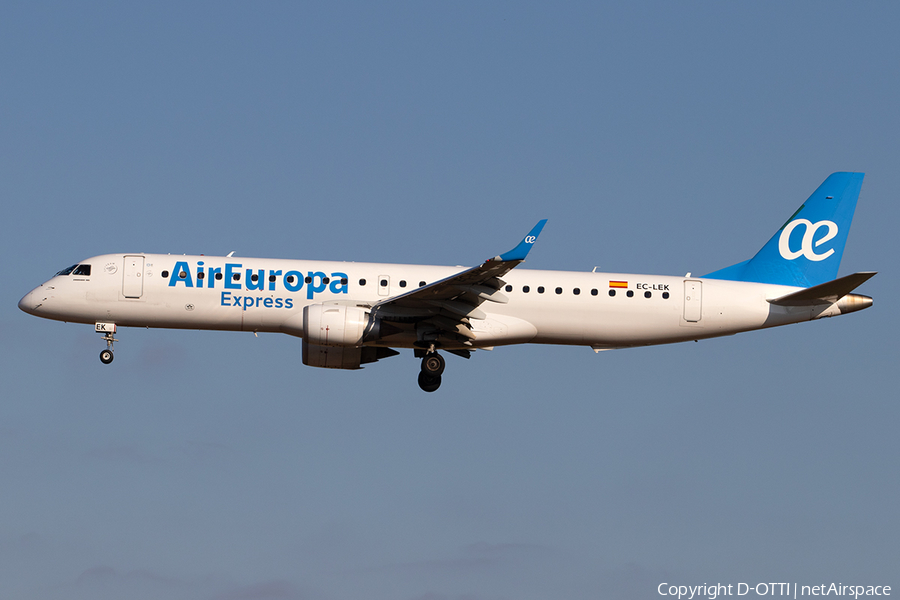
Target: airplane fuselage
601,310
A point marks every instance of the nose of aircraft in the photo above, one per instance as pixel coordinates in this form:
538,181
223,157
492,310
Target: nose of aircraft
27,303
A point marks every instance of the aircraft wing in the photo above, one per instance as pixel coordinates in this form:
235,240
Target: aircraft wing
442,309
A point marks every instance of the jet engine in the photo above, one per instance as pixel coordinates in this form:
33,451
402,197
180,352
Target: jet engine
333,337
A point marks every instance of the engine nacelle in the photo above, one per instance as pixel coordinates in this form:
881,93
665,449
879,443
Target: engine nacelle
337,325
333,336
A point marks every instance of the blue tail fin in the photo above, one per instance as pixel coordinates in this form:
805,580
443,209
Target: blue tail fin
807,250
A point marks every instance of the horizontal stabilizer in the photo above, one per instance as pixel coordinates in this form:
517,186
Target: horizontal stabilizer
825,293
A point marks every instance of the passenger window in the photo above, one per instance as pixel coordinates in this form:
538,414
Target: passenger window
576,291
272,278
182,274
594,292
165,274
84,270
402,283
218,276
630,293
290,278
647,294
421,284
236,276
308,279
526,289
612,293
201,275
559,290
509,288
326,280
665,295
362,282
343,281
383,283
67,271
254,278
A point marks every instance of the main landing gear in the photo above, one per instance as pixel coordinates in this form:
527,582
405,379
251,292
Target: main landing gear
430,375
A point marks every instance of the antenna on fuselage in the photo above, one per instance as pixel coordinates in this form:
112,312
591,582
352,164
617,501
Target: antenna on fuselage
230,254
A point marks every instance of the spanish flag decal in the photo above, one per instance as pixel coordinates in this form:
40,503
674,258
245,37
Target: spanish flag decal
618,284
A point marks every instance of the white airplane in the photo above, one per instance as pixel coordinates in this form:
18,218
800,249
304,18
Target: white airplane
351,314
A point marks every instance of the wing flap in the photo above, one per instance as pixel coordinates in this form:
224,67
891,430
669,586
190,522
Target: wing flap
462,309
485,293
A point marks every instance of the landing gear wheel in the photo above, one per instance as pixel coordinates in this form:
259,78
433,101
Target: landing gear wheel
429,383
433,364
107,329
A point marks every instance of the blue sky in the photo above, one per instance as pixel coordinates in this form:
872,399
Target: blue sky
655,137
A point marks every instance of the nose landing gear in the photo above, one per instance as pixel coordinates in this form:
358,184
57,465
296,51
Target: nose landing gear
430,376
107,329
106,356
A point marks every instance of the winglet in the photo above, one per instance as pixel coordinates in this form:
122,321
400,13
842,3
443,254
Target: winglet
521,251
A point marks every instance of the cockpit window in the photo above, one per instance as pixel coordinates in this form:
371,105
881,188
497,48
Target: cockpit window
68,271
82,270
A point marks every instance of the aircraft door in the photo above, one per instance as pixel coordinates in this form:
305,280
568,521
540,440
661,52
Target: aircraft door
384,285
133,278
693,300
